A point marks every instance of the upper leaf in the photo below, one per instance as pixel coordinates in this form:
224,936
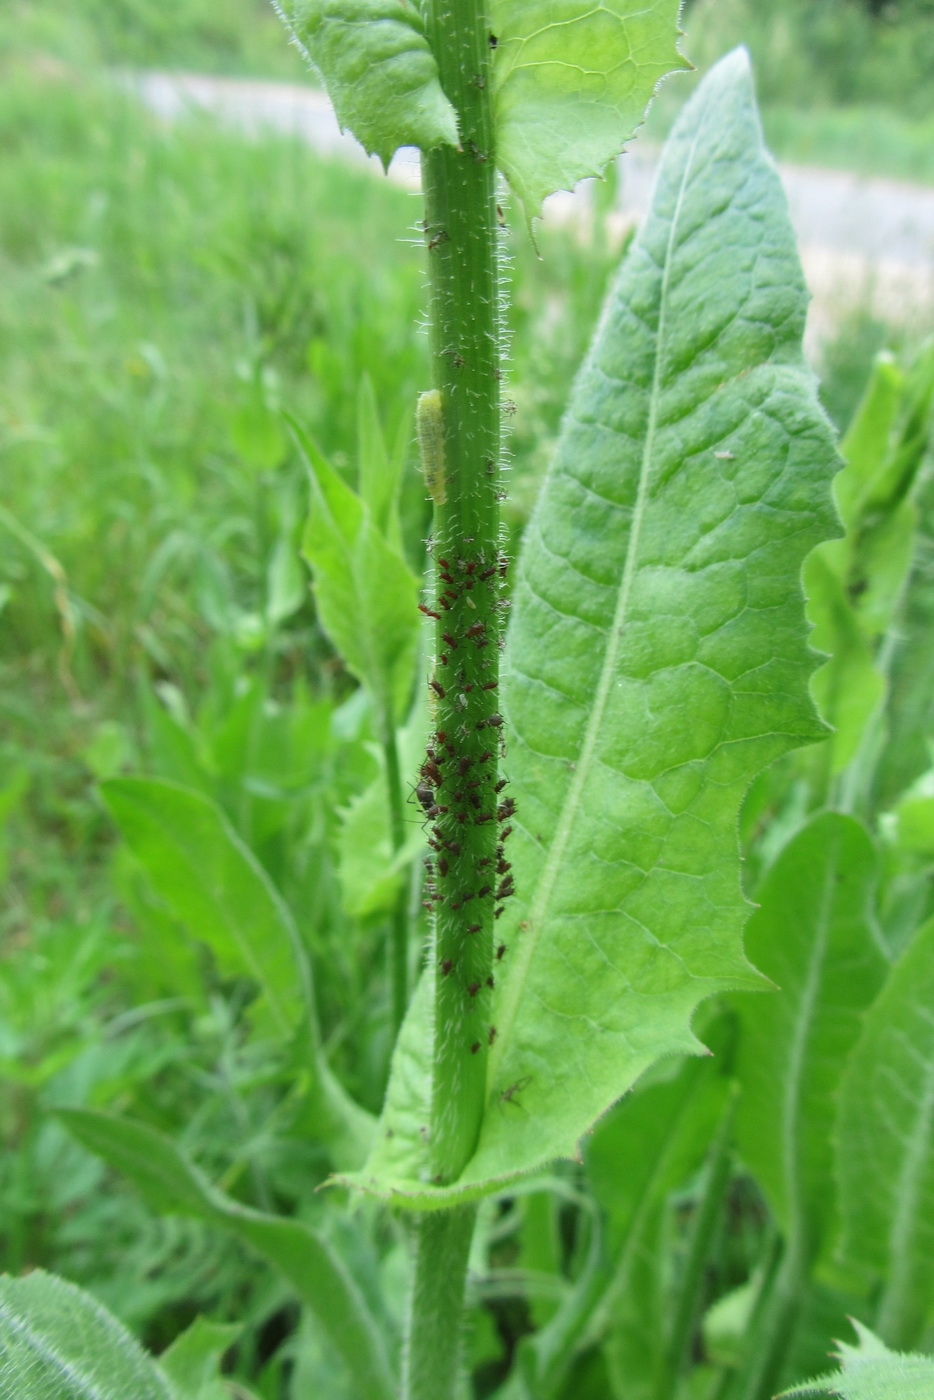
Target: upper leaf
571,84
378,70
814,934
886,1144
657,656
58,1343
871,1372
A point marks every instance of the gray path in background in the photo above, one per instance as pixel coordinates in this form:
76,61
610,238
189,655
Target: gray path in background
863,241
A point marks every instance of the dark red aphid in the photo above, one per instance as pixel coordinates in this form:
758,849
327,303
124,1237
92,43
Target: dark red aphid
495,721
491,1036
506,831
484,890
503,867
442,866
500,785
506,808
425,795
430,770
490,983
476,629
500,951
441,736
437,810
438,688
473,989
449,641
464,766
483,817
490,685
488,573
444,563
423,608
497,912
475,1047
485,757
474,928
446,967
454,847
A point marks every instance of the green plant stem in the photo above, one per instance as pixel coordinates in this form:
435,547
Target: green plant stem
432,1356
463,761
399,927
467,873
772,1331
693,1271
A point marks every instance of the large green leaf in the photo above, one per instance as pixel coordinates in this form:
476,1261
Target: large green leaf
571,83
869,1371
656,660
170,1182
815,935
216,887
378,69
366,593
886,1145
58,1343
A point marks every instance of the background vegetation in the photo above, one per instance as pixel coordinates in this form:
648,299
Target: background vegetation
163,292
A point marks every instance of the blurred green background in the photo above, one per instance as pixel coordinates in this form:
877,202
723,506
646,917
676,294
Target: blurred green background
165,291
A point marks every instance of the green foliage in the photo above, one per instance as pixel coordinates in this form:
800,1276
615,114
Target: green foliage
157,619
379,71
592,701
364,589
885,1162
815,935
58,1343
314,1269
870,1371
571,84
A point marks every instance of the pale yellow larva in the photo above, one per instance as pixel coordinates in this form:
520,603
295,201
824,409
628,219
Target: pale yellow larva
429,426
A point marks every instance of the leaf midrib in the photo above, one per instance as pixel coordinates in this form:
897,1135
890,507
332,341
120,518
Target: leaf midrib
512,995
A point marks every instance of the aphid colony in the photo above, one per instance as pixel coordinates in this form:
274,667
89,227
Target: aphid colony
459,789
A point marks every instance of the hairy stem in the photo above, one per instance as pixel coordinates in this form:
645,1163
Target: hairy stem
468,872
399,927
432,1355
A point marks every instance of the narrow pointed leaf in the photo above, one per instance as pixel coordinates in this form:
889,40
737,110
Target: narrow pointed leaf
217,888
378,69
814,935
886,1145
171,1183
367,595
571,84
657,657
59,1343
